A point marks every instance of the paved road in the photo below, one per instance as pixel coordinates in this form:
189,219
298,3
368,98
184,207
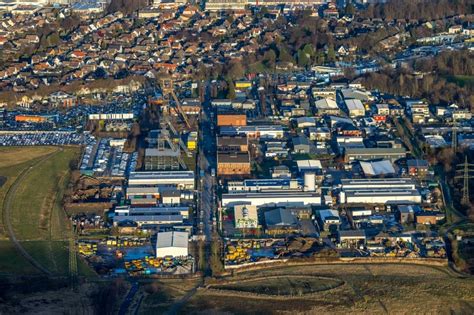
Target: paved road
461,220
7,212
206,163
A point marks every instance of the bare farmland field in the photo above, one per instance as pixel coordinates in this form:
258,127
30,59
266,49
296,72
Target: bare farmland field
366,289
160,295
10,156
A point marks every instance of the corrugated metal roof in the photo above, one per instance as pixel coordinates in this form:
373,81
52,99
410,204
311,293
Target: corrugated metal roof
377,167
172,239
280,217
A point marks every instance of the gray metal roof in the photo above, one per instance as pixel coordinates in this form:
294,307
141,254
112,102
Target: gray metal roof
358,234
172,239
281,217
159,219
368,151
161,175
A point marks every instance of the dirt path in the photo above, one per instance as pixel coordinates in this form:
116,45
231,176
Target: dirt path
176,306
7,209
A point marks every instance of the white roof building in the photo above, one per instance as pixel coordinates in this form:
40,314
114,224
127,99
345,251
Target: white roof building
329,216
172,243
355,107
271,199
261,131
308,165
326,104
179,179
303,122
376,168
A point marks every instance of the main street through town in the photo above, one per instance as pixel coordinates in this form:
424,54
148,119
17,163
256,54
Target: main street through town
206,168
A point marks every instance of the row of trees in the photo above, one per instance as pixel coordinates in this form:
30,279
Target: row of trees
303,42
418,9
437,83
126,6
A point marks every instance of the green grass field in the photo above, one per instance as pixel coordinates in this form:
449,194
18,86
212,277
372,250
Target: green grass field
36,209
54,255
13,160
10,156
38,219
11,261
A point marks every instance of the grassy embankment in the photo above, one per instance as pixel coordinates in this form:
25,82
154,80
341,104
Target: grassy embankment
365,289
37,217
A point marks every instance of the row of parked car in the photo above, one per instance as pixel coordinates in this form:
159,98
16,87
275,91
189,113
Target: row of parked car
42,138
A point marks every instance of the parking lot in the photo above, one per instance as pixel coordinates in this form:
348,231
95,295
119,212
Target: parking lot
43,138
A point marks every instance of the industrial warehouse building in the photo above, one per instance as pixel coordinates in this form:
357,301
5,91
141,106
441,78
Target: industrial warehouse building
379,191
377,168
326,106
381,196
174,244
376,183
142,192
233,164
256,132
153,195
178,179
271,199
227,119
366,154
150,215
355,108
281,221
329,219
255,185
151,220
232,144
219,5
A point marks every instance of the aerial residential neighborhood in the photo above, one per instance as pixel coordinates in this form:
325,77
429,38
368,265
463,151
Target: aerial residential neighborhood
179,157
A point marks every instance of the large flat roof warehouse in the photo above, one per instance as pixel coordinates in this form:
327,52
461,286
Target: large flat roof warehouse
378,183
273,198
151,211
179,178
354,104
263,131
308,165
356,94
377,150
326,103
352,234
269,182
377,167
173,243
326,214
265,184
233,157
149,219
381,196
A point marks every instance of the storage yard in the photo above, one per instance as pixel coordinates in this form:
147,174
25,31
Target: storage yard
243,251
105,158
132,256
